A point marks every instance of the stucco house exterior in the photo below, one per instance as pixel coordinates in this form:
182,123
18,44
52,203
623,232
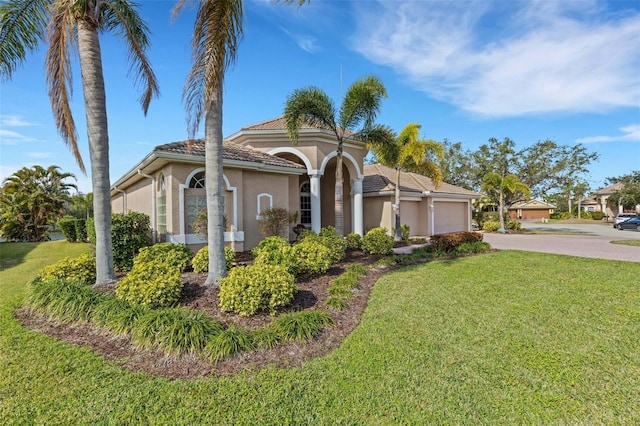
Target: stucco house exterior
598,201
263,169
533,209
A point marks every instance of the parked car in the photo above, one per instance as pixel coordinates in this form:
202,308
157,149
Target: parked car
621,217
633,223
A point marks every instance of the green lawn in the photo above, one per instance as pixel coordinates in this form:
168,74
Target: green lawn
505,338
634,243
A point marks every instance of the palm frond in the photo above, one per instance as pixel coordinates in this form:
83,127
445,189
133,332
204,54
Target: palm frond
22,26
216,36
312,106
122,16
59,80
361,103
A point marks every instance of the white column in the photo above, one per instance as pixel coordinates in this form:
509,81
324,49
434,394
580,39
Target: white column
432,217
358,220
314,183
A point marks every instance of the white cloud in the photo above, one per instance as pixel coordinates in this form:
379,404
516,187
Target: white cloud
629,133
304,42
39,155
14,121
508,59
9,137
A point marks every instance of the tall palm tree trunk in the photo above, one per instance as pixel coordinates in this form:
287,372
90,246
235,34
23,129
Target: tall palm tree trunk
97,132
213,184
339,196
398,236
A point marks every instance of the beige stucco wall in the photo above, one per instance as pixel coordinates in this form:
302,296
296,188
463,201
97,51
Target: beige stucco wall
138,198
410,215
377,212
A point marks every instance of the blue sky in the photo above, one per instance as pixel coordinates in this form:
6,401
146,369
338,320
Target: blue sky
465,70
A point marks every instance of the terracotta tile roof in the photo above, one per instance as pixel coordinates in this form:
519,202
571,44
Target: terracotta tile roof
609,189
381,178
230,151
279,124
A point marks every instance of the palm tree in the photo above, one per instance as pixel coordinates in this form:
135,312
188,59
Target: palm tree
76,23
31,199
359,108
497,187
217,32
408,153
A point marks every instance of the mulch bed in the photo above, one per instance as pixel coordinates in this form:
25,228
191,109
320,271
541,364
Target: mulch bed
312,293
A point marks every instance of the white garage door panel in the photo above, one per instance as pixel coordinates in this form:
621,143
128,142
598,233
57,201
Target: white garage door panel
450,217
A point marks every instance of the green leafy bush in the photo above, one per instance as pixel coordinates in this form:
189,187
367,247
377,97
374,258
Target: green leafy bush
275,251
376,241
448,242
200,261
405,230
67,226
597,215
474,247
311,256
354,241
81,268
81,230
335,243
153,284
490,226
129,233
514,225
177,255
303,325
249,289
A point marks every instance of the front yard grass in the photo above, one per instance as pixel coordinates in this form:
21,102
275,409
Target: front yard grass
633,243
505,338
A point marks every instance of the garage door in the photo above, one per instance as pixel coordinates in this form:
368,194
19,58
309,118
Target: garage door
450,217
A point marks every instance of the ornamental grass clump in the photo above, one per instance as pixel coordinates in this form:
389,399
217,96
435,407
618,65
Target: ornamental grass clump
250,289
231,341
266,338
200,261
176,255
302,325
81,268
153,284
63,300
117,316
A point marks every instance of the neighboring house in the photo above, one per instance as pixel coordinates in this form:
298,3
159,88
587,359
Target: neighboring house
262,169
597,201
533,209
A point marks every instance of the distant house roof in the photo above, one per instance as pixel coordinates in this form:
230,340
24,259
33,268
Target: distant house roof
231,152
279,123
531,205
609,189
379,178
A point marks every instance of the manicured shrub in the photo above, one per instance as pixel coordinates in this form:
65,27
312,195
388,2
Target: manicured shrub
311,256
177,255
490,226
81,268
597,215
249,289
200,261
81,230
153,284
354,241
129,233
274,221
474,247
514,225
275,251
405,230
303,325
376,241
448,242
335,243
231,341
67,226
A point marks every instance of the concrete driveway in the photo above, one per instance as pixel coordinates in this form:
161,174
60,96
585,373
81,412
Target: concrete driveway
592,241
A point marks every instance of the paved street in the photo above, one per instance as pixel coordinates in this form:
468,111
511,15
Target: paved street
595,241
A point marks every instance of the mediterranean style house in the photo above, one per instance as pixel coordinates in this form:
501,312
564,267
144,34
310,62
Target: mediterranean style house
598,201
263,169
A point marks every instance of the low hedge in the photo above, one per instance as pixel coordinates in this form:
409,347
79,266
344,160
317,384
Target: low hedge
448,242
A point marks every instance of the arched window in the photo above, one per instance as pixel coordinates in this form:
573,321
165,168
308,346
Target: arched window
305,204
197,181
